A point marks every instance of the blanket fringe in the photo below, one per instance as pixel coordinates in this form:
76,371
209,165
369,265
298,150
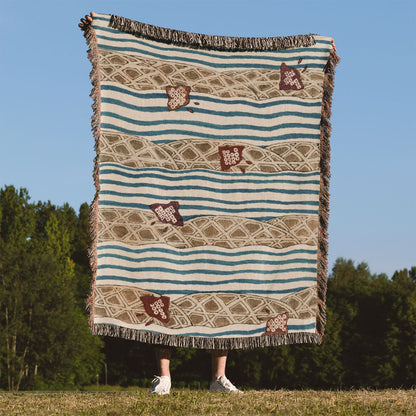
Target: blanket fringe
96,130
324,192
198,41
203,342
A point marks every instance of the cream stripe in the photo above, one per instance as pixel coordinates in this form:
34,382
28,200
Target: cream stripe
185,131
208,105
266,252
236,191
253,210
156,287
186,174
180,116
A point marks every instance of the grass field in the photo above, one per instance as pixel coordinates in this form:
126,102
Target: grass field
201,402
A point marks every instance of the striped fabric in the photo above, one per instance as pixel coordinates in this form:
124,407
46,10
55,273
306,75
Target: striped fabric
209,222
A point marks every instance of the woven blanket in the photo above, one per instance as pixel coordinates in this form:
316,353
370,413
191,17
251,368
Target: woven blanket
212,173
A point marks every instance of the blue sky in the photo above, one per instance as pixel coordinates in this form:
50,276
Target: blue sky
45,109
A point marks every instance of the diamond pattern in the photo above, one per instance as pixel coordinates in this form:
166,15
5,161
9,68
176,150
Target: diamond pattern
303,227
141,227
141,152
137,152
204,309
150,74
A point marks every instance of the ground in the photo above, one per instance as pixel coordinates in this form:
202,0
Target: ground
201,402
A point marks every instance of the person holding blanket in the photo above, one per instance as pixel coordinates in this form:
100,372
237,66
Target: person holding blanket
209,221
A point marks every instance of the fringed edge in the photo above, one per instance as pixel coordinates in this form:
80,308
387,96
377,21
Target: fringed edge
201,41
96,130
204,342
328,89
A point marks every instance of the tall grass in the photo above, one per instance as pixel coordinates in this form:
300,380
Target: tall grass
201,402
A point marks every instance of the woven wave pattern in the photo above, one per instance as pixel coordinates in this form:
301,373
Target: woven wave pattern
204,309
151,74
139,227
137,152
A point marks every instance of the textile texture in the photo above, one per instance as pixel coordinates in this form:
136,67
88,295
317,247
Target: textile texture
212,173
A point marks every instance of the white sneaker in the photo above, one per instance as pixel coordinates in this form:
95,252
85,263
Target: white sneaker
223,385
161,385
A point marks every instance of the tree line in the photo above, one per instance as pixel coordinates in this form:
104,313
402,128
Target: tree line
45,342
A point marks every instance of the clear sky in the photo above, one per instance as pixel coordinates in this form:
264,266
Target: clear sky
45,109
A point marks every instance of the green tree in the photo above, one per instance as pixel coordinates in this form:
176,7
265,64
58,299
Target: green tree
17,223
45,340
375,314
65,348
399,368
81,243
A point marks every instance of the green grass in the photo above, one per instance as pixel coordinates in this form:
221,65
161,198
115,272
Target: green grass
201,402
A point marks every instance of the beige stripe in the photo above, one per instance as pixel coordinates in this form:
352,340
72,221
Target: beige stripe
137,152
212,310
142,227
150,74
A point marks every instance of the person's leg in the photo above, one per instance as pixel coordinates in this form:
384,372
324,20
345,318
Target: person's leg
218,363
163,355
162,383
219,381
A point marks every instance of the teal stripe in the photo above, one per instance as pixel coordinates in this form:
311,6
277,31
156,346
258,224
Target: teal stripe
240,137
196,96
161,133
226,211
103,19
222,282
226,177
207,199
207,272
209,189
162,122
239,55
199,251
206,178
207,261
201,110
210,208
